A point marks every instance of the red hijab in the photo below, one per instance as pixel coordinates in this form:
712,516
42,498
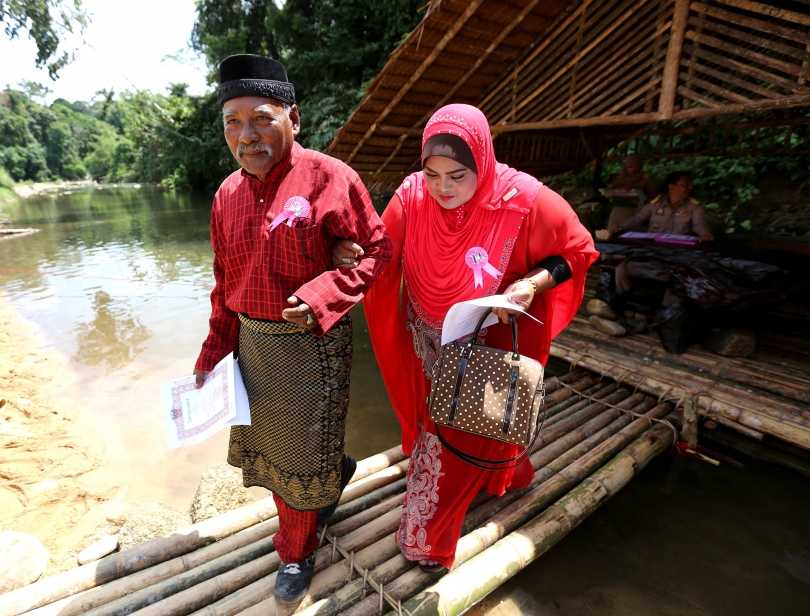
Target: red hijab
438,271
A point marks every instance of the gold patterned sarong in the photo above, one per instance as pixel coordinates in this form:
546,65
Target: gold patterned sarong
298,388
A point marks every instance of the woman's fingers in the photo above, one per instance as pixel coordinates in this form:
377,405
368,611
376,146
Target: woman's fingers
346,253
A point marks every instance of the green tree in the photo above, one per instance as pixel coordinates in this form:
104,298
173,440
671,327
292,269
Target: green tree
331,48
47,22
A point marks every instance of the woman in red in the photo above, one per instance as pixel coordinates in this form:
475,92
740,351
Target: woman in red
462,209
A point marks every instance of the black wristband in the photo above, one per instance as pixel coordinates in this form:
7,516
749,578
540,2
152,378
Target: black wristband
557,267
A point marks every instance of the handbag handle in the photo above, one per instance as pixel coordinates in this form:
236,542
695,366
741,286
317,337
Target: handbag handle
464,360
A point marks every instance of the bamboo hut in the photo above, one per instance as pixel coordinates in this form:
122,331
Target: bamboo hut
561,82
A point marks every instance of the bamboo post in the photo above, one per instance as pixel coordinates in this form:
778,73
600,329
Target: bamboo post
669,85
476,578
371,472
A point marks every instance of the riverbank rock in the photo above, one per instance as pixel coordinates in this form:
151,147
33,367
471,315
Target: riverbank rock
606,326
149,521
106,544
22,560
220,490
600,309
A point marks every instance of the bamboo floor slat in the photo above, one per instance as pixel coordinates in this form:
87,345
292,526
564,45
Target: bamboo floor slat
359,569
765,396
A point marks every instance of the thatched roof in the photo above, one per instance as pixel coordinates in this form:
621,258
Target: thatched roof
561,81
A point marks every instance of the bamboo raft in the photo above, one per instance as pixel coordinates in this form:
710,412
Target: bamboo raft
598,435
767,394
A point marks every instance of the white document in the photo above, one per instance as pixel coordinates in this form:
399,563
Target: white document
462,317
193,415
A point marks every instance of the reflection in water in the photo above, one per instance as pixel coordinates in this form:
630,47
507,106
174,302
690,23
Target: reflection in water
114,337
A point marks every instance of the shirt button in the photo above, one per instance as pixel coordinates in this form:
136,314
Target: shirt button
261,200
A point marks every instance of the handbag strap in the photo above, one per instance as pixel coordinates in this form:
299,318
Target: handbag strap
489,464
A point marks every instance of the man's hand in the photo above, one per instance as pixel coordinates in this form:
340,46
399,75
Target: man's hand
301,314
603,234
200,376
346,254
520,292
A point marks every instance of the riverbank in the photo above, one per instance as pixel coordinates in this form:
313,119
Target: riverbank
52,481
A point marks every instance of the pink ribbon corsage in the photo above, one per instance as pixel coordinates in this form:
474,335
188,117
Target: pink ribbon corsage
295,207
477,260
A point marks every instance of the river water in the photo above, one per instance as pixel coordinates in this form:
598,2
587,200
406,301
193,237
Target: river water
118,280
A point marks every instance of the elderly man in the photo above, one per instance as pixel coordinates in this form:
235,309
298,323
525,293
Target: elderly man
278,303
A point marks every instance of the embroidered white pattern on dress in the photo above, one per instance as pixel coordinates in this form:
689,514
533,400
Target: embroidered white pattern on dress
422,496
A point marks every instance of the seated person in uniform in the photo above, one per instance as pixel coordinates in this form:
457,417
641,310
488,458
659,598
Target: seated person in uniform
674,211
633,177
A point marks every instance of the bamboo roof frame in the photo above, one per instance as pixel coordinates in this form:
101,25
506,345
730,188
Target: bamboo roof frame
561,81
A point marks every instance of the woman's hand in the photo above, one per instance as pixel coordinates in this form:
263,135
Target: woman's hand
521,292
346,254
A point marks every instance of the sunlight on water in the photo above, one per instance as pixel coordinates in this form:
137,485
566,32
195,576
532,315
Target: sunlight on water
119,281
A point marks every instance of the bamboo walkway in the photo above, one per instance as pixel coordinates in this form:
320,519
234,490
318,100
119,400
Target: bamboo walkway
767,394
598,435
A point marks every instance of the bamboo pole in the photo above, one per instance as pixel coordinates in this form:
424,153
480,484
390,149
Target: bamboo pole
395,573
234,579
666,102
144,597
518,512
713,398
476,578
368,475
373,554
109,592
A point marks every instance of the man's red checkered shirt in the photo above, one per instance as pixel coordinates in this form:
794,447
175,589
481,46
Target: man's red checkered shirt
257,268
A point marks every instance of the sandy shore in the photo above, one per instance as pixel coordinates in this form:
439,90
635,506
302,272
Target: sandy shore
52,483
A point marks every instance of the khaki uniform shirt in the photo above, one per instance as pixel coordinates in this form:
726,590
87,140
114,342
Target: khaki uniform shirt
689,218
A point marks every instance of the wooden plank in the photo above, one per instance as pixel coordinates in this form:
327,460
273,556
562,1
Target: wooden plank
604,16
802,100
471,8
547,41
628,120
715,43
747,38
761,25
627,15
669,80
743,68
730,78
557,49
658,45
769,10
720,91
471,71
609,93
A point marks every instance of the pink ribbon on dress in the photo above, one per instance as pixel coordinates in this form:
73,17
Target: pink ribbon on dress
295,207
477,260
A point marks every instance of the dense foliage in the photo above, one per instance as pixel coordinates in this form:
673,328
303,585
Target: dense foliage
46,22
331,49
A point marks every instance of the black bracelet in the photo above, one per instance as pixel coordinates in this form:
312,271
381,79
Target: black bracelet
557,267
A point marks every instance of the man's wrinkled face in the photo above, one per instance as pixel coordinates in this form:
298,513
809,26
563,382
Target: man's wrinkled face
259,132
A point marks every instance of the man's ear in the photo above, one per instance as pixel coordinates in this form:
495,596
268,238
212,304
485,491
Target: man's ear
295,118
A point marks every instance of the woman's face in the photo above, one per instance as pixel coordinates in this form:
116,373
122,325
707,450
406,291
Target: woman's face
449,182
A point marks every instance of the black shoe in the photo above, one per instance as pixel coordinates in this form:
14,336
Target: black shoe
292,579
347,467
435,568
